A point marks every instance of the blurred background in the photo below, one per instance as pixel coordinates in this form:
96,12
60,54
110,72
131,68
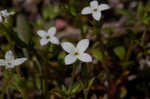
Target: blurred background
119,45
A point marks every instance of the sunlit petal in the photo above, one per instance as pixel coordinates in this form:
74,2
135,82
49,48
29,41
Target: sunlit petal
103,7
19,61
85,57
9,55
1,19
96,15
52,31
70,59
41,33
83,45
54,40
94,4
86,10
68,47
9,66
2,62
44,41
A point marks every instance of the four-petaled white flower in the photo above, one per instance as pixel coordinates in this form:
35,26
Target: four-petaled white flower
76,53
95,9
48,37
4,14
10,61
144,62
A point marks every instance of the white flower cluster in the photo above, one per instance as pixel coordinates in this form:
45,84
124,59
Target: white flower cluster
46,37
74,52
4,14
9,61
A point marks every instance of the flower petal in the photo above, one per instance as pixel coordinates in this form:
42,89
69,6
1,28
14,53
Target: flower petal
4,13
19,61
83,45
52,31
2,62
94,4
44,41
85,57
70,59
68,47
96,15
9,55
103,7
148,63
54,40
9,66
1,19
12,13
6,20
86,10
41,33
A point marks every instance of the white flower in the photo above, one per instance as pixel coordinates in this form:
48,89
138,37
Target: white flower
10,61
144,62
48,37
1,19
95,9
76,53
5,14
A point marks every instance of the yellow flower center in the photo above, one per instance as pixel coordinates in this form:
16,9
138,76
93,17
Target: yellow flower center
48,37
9,63
95,9
76,53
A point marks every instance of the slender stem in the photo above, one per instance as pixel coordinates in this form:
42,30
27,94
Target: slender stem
24,95
86,94
23,92
44,82
6,83
19,73
72,79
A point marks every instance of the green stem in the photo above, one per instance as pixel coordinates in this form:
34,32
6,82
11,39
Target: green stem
72,79
5,86
44,80
24,95
23,92
44,83
86,94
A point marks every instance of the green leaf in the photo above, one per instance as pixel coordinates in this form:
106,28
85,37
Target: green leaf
90,83
124,12
127,64
75,87
120,52
73,11
84,71
64,89
123,92
98,54
61,55
140,11
45,13
17,83
50,12
23,29
37,63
